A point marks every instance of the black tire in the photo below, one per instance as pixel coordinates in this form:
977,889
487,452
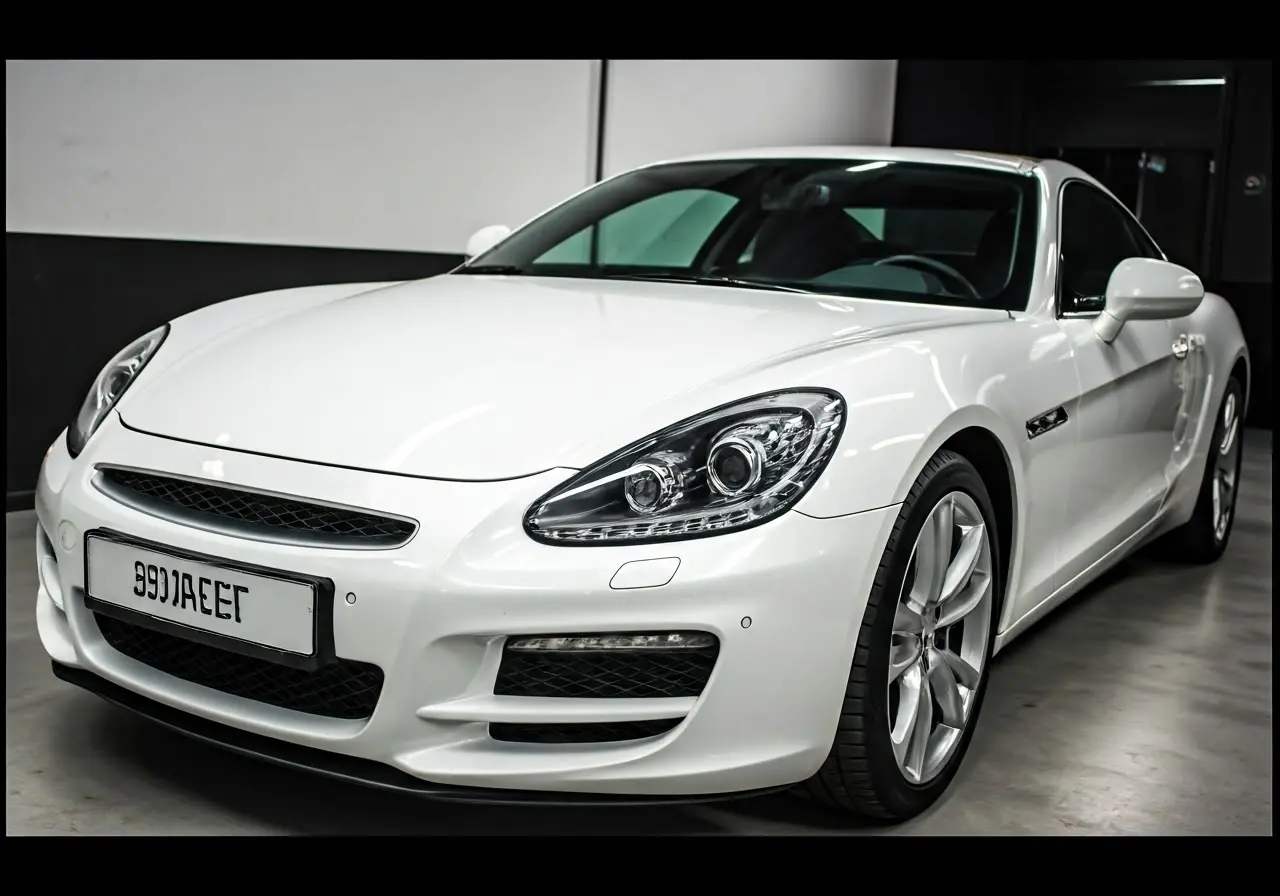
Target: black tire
860,775
1196,542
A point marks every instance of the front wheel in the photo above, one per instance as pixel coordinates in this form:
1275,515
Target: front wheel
920,664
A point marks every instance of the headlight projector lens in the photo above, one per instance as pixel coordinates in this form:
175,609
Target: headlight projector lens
735,465
651,486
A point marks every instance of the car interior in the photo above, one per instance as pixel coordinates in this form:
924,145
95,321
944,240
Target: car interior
897,233
874,230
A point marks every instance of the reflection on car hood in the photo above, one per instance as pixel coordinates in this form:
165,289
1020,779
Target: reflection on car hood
489,377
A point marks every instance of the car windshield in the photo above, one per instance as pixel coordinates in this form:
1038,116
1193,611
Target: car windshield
900,231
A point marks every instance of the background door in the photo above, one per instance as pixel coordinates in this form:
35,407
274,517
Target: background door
1168,190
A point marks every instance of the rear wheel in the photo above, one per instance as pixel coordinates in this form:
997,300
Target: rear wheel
1203,538
920,664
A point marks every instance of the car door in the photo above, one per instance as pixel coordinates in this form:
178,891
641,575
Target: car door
1130,394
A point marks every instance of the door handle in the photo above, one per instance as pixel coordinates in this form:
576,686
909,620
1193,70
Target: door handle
1181,347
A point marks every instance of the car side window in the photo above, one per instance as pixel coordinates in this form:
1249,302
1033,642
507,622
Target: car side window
1145,243
1096,236
666,230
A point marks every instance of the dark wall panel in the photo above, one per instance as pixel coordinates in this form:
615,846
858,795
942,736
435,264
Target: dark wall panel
1121,116
1245,234
960,104
1246,227
73,302
1111,72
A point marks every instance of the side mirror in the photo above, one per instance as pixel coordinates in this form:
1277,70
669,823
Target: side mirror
1147,289
486,238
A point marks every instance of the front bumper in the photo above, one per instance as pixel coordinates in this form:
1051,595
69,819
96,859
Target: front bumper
434,616
347,768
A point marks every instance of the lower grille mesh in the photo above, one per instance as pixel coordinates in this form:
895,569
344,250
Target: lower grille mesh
613,674
343,690
581,732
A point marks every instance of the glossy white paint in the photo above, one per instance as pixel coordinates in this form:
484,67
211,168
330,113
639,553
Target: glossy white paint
458,401
645,573
1147,289
494,377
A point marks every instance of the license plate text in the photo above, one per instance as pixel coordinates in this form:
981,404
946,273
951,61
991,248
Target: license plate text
184,591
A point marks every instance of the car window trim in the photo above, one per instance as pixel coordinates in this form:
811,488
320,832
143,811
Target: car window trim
1130,218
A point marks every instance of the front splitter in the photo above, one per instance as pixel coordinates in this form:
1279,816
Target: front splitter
364,772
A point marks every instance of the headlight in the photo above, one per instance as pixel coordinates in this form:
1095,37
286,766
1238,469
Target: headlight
109,386
728,469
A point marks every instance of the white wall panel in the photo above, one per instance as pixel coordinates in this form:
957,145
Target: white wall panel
356,154
660,109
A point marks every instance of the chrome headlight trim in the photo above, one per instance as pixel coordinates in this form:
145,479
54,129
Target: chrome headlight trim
800,429
110,385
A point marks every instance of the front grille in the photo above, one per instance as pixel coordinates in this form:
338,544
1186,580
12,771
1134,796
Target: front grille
343,690
254,513
616,674
580,732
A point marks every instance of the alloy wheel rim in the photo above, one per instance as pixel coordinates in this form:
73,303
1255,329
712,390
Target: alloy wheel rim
1226,464
941,630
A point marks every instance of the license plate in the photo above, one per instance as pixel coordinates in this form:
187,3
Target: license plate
257,609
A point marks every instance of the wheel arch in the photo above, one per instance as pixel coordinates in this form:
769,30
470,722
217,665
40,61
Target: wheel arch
1240,370
983,448
980,435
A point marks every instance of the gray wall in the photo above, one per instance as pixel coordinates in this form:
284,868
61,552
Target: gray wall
137,191
411,156
349,154
660,109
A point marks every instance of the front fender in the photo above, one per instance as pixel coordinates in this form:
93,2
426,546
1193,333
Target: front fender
1216,320
876,466
1219,346
901,411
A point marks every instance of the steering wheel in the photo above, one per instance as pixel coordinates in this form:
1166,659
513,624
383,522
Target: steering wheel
936,267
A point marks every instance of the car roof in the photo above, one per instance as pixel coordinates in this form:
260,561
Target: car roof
1054,171
871,153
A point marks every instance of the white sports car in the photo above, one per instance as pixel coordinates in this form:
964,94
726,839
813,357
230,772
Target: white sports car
724,476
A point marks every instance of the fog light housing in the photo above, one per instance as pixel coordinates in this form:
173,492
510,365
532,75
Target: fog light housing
664,641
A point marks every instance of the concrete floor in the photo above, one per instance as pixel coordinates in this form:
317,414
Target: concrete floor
1142,707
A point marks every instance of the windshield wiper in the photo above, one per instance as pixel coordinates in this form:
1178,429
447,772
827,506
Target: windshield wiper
711,281
502,270
511,270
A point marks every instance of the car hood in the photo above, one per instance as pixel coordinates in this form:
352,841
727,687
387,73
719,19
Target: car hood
481,378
